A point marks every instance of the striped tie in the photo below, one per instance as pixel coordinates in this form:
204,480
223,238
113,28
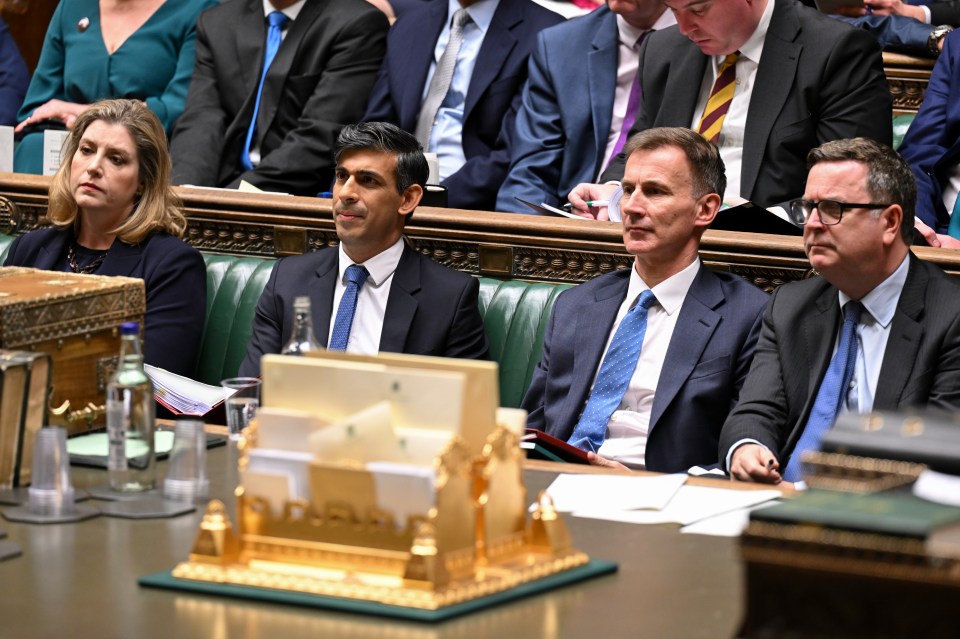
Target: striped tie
720,97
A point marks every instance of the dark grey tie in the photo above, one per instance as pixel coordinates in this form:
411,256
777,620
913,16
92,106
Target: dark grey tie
442,76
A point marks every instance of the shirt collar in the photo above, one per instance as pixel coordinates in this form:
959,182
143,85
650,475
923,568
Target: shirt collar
291,12
670,292
380,266
882,301
753,47
480,12
629,34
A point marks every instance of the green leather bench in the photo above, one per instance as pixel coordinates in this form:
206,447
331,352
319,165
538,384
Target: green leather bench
514,314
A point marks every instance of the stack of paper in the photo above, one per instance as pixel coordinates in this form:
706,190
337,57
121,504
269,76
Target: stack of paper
183,395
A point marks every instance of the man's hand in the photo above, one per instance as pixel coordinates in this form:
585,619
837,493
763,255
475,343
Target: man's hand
585,193
66,112
752,462
597,460
895,8
934,239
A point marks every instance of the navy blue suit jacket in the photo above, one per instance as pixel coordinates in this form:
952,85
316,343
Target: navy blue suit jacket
706,362
563,122
493,96
174,276
431,309
14,77
932,145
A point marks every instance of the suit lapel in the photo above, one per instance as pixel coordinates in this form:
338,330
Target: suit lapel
903,343
775,75
682,89
320,290
53,250
122,259
603,84
251,35
497,45
280,67
411,80
819,336
402,303
593,328
695,325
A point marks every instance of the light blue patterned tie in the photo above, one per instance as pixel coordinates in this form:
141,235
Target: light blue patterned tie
277,22
616,370
356,276
833,390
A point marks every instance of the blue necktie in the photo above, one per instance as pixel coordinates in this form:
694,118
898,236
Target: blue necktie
833,390
616,370
356,276
277,21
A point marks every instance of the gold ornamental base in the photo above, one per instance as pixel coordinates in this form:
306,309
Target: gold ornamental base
519,570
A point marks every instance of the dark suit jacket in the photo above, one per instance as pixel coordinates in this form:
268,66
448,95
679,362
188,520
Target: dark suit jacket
14,77
318,82
818,80
706,363
174,277
431,310
921,365
493,96
932,144
563,121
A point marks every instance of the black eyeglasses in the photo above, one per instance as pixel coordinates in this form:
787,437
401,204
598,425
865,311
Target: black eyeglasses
830,211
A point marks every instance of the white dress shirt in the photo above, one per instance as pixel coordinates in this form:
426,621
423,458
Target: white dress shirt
629,426
446,136
372,301
735,121
628,57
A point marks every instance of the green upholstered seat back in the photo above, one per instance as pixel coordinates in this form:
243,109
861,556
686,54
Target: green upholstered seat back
515,316
900,125
5,242
234,285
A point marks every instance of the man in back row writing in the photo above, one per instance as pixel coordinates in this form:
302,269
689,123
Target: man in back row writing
879,329
766,80
374,292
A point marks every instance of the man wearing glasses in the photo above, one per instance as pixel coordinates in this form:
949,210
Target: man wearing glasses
878,329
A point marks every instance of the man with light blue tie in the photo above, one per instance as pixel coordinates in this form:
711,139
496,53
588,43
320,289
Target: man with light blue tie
452,75
274,81
374,292
878,329
642,365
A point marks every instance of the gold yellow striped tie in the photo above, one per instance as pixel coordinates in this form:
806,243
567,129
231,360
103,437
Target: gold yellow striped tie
720,97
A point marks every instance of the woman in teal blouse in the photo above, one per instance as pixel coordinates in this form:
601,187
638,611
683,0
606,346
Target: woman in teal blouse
139,49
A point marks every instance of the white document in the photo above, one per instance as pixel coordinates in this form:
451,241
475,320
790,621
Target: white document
6,149
729,524
690,504
937,487
613,493
294,466
52,145
403,489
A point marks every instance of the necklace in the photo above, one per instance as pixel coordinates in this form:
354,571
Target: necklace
88,268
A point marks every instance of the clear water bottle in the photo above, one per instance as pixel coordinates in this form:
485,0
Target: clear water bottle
132,462
302,339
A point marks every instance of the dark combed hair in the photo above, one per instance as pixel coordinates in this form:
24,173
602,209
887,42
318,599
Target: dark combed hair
381,136
707,172
889,178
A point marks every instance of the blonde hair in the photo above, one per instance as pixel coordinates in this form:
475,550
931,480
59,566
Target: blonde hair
157,207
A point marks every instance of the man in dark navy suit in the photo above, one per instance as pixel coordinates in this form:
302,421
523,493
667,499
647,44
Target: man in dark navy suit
695,344
374,292
465,115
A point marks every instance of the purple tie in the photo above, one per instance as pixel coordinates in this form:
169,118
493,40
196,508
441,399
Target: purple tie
633,104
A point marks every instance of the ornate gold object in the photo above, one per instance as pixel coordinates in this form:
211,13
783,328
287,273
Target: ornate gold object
340,539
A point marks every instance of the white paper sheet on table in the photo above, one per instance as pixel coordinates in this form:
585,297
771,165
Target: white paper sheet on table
690,504
729,524
613,492
936,487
